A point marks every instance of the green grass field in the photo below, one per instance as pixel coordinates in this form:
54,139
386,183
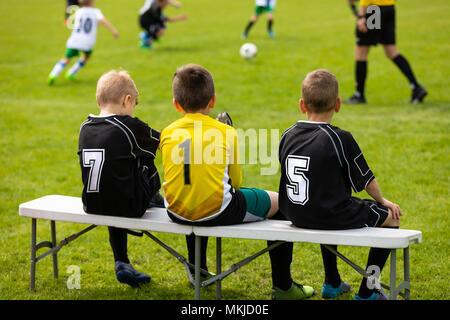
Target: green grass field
407,146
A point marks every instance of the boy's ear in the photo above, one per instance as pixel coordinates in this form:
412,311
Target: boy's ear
177,105
338,105
302,106
212,102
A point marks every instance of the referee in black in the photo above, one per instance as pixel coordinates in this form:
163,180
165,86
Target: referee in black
368,34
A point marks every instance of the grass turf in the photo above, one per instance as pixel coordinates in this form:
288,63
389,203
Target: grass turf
405,145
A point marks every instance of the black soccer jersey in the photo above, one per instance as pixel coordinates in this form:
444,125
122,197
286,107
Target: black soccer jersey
153,15
116,158
320,164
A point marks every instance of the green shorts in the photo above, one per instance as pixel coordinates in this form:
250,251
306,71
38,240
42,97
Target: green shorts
70,53
258,204
261,9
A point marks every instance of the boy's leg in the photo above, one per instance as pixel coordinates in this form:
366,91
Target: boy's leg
58,68
118,240
78,65
377,256
270,24
332,276
190,242
361,54
250,24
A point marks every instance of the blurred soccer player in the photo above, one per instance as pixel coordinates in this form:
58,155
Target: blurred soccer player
261,7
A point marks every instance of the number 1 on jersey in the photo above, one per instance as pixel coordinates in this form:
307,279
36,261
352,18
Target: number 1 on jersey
186,146
298,188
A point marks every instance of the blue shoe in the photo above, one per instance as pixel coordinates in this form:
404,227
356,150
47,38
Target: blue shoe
125,273
244,36
271,34
330,292
374,296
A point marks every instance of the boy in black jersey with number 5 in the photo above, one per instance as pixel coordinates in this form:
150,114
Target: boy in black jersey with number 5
116,154
320,165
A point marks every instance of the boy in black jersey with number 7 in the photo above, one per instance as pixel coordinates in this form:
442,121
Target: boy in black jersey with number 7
116,154
320,165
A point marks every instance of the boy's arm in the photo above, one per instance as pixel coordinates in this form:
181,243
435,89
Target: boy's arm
177,18
352,5
175,4
108,24
374,190
362,18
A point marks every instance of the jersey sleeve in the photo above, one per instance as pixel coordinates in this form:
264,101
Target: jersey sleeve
358,170
146,139
98,14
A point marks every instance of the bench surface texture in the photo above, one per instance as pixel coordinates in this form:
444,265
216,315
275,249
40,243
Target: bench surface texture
70,209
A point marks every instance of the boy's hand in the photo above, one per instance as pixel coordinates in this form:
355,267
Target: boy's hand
362,25
224,118
395,208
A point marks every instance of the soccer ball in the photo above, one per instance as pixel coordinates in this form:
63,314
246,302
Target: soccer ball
248,51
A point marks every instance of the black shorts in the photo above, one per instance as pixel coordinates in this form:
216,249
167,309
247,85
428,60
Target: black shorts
385,35
376,213
151,27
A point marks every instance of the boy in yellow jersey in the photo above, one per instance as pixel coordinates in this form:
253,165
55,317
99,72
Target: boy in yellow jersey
368,35
200,157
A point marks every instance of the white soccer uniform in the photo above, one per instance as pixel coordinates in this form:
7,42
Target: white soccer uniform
266,3
84,34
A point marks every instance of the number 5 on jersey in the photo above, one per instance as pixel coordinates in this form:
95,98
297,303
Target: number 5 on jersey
94,159
298,186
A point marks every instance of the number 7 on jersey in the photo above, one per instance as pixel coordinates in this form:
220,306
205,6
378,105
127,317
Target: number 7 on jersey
298,186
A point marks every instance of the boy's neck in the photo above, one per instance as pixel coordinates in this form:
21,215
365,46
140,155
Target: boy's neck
320,117
110,110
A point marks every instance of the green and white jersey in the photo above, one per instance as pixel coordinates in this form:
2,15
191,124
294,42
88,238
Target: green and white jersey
84,34
266,3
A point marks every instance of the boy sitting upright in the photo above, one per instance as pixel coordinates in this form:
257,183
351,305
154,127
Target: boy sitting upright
116,154
202,174
320,164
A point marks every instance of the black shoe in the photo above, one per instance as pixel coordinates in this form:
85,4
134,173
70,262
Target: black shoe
418,94
355,99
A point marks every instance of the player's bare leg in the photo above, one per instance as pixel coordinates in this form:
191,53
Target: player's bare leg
273,203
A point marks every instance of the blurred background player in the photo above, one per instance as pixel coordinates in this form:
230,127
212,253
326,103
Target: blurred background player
71,7
83,38
385,35
261,7
153,21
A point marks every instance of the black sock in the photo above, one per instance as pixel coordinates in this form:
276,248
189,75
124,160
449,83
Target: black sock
361,74
248,27
269,25
377,257
405,68
118,240
190,241
330,266
280,260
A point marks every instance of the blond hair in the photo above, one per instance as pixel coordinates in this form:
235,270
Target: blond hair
320,91
113,85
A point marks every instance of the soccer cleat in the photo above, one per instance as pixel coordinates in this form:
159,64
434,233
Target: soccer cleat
374,296
418,94
271,34
244,35
125,273
296,292
224,118
330,292
51,80
70,76
355,99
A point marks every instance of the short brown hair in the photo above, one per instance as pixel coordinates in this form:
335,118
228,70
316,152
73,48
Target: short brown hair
320,91
84,3
113,85
193,87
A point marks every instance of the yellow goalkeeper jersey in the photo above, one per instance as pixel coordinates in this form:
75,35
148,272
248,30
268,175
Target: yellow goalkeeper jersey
377,2
200,159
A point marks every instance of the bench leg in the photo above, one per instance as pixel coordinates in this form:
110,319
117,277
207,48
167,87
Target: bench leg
55,254
406,272
218,267
197,267
393,275
33,255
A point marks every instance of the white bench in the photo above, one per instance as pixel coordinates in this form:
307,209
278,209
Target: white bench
70,209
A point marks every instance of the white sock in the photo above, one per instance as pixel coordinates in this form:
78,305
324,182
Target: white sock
76,67
57,69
